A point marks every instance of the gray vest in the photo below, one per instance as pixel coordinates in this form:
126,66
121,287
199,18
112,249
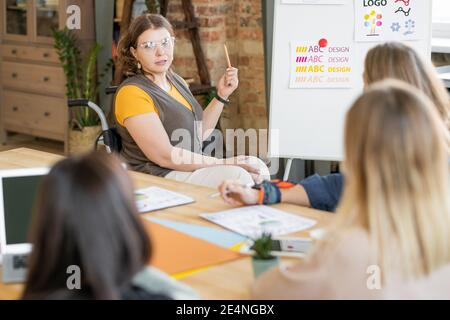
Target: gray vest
181,124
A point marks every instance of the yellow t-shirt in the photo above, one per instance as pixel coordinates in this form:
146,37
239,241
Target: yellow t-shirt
132,101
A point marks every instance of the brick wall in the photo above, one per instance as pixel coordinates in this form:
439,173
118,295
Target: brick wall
238,23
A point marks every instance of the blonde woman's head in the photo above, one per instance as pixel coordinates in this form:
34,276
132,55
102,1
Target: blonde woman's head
398,61
397,177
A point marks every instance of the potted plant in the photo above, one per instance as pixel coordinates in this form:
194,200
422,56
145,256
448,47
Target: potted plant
81,83
262,259
153,6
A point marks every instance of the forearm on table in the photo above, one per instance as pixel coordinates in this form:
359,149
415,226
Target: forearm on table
296,195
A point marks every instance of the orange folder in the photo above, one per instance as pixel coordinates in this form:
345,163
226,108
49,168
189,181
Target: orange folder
175,252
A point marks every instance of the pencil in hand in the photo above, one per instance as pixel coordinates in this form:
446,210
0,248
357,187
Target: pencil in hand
217,194
228,59
227,56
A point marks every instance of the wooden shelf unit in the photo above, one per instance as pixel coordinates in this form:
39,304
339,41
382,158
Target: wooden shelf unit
32,82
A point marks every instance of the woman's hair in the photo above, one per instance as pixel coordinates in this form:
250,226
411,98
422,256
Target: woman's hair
397,178
398,61
85,216
127,61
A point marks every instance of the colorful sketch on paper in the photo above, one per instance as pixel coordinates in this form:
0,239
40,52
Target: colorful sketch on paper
385,20
373,21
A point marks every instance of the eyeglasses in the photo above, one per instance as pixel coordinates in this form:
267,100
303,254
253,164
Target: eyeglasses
150,46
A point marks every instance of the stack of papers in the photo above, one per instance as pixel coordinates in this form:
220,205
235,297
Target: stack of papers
254,220
155,198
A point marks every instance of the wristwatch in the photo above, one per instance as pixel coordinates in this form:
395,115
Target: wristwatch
219,98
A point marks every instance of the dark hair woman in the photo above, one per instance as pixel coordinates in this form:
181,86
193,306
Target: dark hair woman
161,124
85,216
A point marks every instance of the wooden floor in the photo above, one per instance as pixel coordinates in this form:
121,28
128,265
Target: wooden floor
25,141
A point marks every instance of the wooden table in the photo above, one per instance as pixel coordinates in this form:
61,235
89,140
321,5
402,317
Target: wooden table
226,281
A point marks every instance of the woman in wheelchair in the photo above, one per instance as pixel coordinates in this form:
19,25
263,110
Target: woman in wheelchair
161,124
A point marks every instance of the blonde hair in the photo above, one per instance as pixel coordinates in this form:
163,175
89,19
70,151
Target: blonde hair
398,61
397,178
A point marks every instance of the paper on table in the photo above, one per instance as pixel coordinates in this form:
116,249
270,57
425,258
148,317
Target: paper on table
252,221
155,198
223,238
445,76
175,252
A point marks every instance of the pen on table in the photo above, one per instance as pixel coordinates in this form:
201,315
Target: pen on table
217,194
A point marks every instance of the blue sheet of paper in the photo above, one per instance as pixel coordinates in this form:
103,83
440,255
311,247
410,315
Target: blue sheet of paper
219,237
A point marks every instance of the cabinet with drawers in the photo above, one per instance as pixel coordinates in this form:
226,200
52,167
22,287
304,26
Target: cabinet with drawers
32,82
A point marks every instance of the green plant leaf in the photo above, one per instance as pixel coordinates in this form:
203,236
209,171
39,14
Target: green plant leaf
262,247
153,6
81,79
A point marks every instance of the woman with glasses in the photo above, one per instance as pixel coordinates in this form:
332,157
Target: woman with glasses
162,126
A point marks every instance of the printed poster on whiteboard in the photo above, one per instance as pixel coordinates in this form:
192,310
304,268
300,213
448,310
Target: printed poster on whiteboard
321,63
386,20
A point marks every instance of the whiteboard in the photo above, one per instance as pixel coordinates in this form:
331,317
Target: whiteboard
309,123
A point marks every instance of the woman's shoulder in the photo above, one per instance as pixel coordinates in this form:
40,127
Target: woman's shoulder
138,293
158,282
135,84
130,90
342,244
130,97
333,261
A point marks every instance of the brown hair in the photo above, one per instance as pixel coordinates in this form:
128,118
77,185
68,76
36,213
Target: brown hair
85,215
127,61
398,61
397,186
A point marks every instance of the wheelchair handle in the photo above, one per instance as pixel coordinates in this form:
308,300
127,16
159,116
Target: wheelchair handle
111,90
78,103
86,103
